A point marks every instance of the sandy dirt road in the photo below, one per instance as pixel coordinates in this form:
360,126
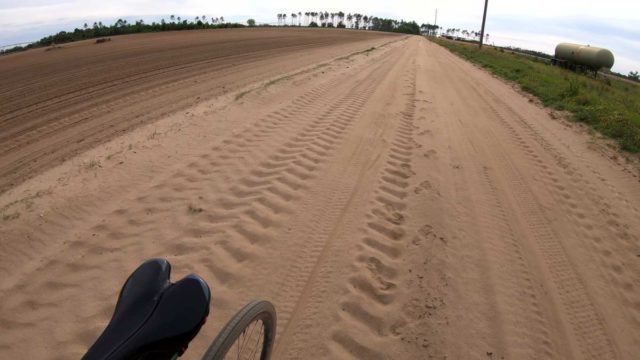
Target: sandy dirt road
395,204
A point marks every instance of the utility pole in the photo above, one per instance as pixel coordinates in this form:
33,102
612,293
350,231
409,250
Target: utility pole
435,23
484,18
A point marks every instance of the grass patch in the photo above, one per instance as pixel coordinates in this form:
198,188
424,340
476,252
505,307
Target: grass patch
10,216
366,52
281,78
291,76
8,211
610,106
242,94
91,164
153,135
53,47
193,209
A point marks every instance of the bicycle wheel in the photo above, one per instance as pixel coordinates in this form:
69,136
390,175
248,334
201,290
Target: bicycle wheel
248,335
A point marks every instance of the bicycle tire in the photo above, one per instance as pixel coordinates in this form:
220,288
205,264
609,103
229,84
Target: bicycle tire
256,310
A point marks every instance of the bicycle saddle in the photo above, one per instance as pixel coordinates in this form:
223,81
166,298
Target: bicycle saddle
153,318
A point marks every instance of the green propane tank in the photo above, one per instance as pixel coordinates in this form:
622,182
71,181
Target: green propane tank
585,55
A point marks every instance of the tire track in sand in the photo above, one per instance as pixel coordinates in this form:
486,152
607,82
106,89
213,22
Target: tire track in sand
371,284
600,219
370,302
320,231
515,290
585,321
587,327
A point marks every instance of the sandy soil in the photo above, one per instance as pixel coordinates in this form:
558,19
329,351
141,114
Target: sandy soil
394,204
57,102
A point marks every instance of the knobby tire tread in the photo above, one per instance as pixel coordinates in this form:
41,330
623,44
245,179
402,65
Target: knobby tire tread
255,310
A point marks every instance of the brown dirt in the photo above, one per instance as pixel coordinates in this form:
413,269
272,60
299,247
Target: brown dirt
59,103
395,204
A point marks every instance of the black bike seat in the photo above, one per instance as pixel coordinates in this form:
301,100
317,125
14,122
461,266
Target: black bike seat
153,318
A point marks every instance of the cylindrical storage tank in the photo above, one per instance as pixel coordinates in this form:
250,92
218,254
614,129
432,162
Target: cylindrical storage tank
593,57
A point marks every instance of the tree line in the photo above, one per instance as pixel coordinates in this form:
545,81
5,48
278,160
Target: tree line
176,23
475,35
350,21
122,27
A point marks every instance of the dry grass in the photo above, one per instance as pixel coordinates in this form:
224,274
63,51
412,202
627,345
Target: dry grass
92,164
10,216
153,135
193,209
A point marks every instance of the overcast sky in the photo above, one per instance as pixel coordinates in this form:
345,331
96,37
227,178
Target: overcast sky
538,25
